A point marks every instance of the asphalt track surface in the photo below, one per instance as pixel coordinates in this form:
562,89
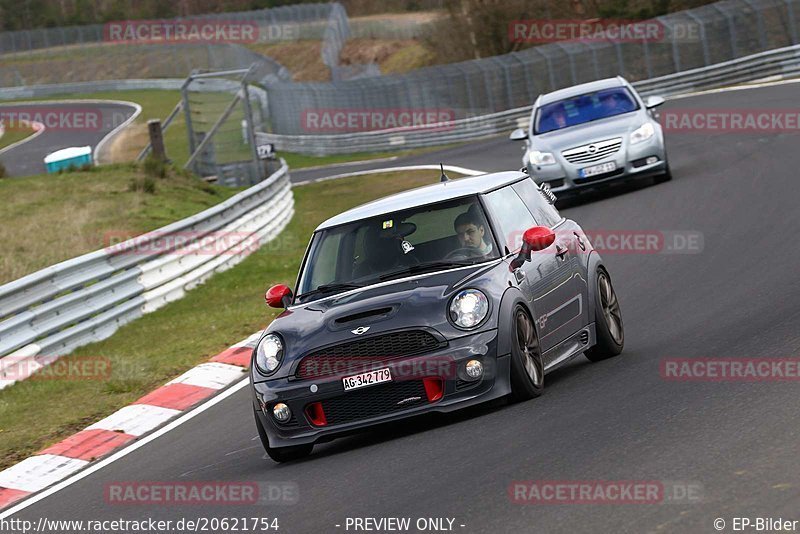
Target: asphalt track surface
615,420
78,124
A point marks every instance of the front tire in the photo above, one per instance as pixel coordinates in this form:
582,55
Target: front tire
666,177
281,454
527,368
607,321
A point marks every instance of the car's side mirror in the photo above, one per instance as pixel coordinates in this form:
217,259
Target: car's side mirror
278,296
654,101
518,135
533,240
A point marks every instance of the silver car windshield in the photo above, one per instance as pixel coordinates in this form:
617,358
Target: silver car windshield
405,243
584,108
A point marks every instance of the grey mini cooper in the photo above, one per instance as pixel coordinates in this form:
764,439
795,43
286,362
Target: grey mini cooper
586,136
429,300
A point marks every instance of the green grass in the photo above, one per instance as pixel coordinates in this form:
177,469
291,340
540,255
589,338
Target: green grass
157,347
14,136
70,214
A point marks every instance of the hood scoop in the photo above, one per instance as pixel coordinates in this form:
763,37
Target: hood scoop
370,316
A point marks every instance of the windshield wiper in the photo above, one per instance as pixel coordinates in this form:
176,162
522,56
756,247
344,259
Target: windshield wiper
422,267
329,288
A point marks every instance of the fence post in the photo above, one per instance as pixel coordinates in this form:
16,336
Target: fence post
762,36
731,30
706,55
792,27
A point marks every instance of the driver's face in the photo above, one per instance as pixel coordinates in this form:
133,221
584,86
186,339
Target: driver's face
470,235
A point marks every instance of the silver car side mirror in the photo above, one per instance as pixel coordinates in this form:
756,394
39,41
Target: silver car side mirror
654,101
518,135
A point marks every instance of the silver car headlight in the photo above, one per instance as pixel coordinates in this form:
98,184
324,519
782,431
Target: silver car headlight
468,308
541,158
642,133
269,354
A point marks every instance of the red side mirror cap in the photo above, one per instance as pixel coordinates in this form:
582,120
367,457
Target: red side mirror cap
278,296
538,238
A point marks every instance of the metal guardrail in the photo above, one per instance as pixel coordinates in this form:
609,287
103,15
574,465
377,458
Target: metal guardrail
85,299
782,62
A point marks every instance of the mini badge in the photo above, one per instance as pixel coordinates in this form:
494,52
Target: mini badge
406,246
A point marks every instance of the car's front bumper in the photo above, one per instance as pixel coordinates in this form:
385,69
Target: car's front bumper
446,363
630,161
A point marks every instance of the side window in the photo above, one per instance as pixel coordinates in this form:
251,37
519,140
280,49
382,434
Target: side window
510,213
544,213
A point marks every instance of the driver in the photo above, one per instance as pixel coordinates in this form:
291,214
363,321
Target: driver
470,229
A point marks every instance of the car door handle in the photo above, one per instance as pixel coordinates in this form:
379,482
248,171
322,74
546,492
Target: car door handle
561,251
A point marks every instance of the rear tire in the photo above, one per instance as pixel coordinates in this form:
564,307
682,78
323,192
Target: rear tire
607,320
527,369
281,454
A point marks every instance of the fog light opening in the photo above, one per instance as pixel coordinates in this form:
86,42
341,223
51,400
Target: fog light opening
651,160
316,414
281,412
434,388
474,369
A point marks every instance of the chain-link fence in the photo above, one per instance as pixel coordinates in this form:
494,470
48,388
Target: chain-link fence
222,112
690,39
88,53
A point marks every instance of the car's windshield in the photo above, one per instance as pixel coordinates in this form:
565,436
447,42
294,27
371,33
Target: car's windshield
584,108
423,239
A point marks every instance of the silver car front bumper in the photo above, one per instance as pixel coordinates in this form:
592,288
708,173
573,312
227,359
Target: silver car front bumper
630,160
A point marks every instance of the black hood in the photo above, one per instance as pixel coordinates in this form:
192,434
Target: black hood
407,304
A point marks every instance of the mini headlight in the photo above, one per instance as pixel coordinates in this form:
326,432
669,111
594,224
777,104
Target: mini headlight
469,308
542,158
269,354
642,133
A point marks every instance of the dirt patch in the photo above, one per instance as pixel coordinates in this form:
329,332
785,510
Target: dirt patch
127,144
302,58
392,56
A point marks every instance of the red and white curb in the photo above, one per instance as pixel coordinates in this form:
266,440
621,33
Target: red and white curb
152,411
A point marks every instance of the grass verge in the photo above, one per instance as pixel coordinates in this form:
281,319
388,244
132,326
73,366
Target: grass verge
121,199
16,135
226,309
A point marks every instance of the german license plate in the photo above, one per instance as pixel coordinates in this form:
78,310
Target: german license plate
594,170
367,379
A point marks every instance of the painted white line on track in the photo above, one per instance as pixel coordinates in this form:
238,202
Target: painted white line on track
450,168
348,163
38,130
742,87
127,450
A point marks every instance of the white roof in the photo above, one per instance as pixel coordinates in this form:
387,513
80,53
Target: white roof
429,194
68,153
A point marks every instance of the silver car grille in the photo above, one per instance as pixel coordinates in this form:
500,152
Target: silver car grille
593,151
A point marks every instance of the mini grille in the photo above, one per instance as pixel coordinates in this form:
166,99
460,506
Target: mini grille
362,354
374,401
593,151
